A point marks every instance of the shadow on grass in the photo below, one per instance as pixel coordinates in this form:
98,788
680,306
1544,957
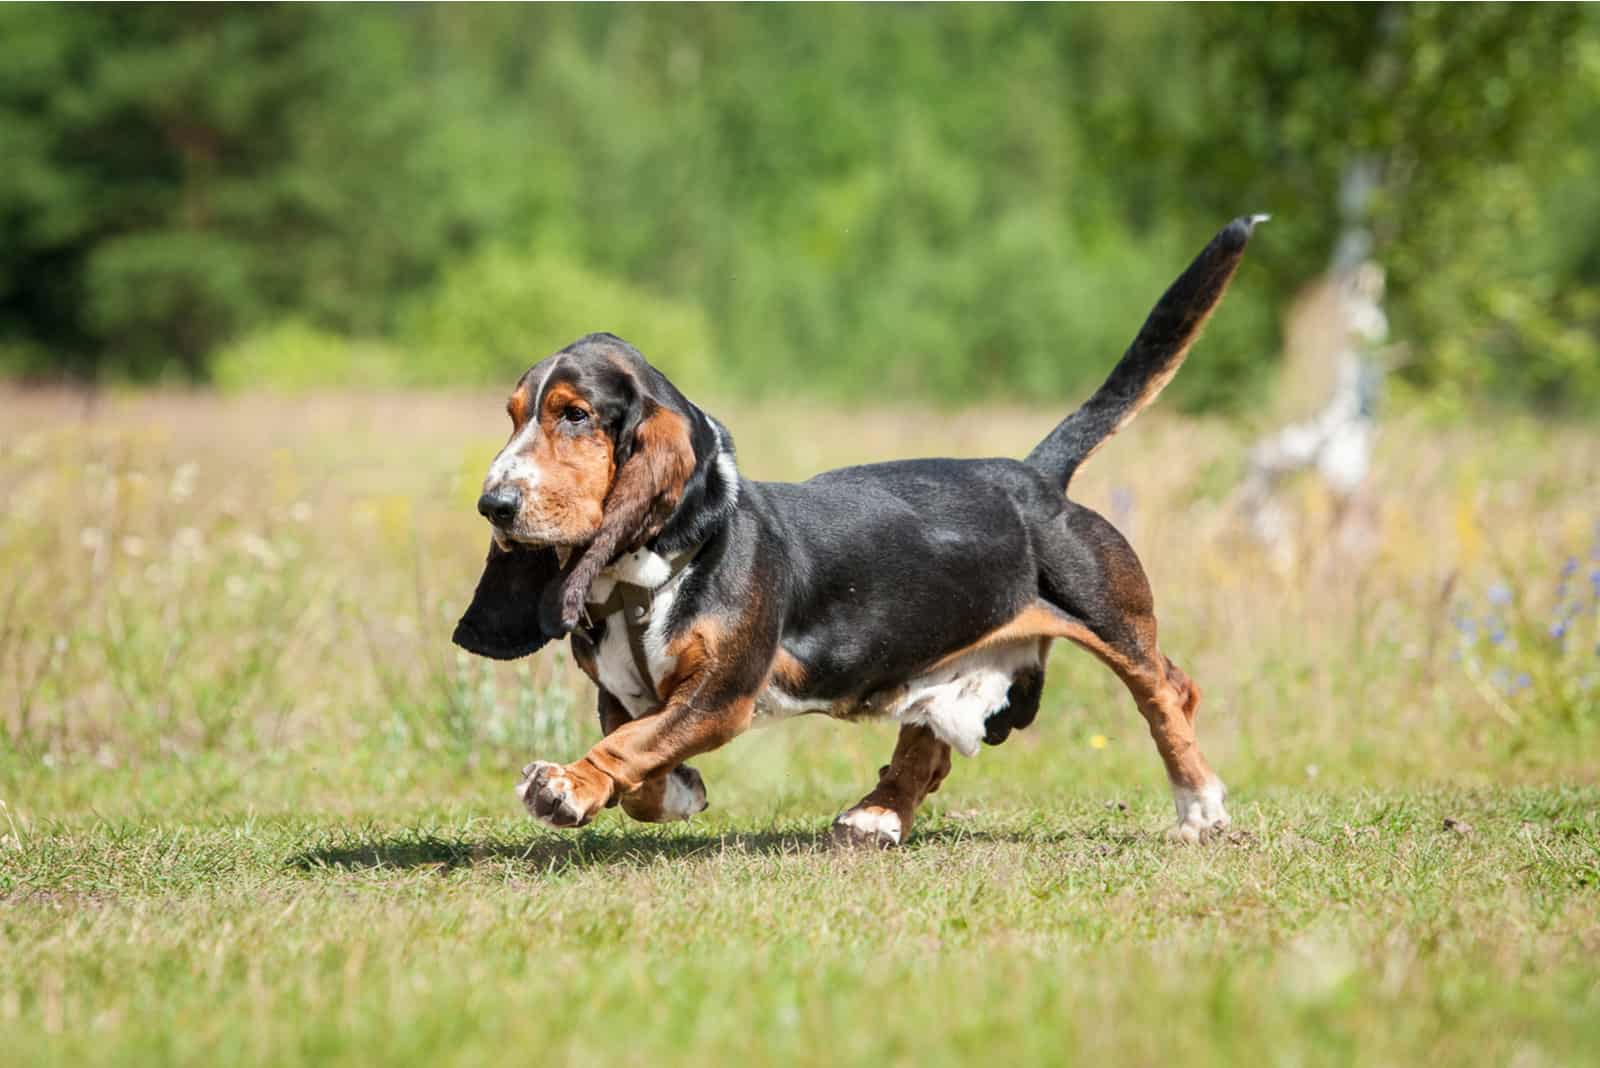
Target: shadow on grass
403,850
581,849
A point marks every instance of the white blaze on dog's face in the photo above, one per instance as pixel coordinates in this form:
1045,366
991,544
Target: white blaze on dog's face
548,485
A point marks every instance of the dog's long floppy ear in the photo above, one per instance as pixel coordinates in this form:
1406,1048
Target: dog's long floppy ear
503,620
655,457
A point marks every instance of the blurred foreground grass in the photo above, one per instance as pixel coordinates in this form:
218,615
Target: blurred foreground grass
257,807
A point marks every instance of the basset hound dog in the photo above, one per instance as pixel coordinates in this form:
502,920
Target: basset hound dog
927,592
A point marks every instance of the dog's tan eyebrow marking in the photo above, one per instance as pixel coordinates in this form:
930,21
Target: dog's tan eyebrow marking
563,396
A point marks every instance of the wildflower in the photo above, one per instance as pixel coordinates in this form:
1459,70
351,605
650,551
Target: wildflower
1523,681
1500,594
261,549
1097,741
1558,629
182,486
1498,634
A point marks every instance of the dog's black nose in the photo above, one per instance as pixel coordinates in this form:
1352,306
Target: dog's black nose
500,506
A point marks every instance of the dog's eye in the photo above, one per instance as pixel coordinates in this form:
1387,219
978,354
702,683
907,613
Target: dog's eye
574,415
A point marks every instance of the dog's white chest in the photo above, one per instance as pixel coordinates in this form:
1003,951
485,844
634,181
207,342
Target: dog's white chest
614,660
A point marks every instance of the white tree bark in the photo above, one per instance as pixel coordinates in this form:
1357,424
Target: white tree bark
1336,443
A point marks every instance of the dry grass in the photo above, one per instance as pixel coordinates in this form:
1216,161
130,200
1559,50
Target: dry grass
258,808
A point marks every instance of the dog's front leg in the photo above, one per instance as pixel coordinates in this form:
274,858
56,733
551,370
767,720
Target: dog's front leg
638,762
675,794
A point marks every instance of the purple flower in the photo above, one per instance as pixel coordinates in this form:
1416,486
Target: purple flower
1558,629
1500,593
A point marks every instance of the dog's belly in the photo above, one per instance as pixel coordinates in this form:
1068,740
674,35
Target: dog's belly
954,700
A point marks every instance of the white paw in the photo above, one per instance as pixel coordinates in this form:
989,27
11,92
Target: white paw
547,793
685,796
1201,814
867,826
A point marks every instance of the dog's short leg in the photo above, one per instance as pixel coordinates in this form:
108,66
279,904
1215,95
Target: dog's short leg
1100,581
672,794
666,797
675,794
883,818
708,707
1168,699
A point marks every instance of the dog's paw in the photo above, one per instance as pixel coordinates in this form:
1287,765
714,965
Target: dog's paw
868,825
555,795
675,796
1202,817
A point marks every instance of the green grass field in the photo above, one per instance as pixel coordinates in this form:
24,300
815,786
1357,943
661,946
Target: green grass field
257,809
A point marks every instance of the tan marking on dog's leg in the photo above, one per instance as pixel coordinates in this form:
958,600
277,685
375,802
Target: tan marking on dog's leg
675,794
883,818
1168,700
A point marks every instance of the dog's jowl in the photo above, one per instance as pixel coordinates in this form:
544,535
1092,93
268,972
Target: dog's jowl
928,592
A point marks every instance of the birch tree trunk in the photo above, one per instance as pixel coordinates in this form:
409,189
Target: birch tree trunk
1335,444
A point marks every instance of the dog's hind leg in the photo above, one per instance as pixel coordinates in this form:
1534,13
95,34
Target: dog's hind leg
883,818
1168,699
1099,581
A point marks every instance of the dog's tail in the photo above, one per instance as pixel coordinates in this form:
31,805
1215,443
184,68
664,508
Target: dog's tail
1152,359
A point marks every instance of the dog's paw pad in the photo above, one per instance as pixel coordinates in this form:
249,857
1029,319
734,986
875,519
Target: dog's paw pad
548,794
878,828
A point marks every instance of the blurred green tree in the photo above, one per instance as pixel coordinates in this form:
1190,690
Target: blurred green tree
176,175
1457,120
940,202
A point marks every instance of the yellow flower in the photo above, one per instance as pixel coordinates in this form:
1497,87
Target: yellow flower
1097,741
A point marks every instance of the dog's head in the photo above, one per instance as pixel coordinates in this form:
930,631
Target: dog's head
605,456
